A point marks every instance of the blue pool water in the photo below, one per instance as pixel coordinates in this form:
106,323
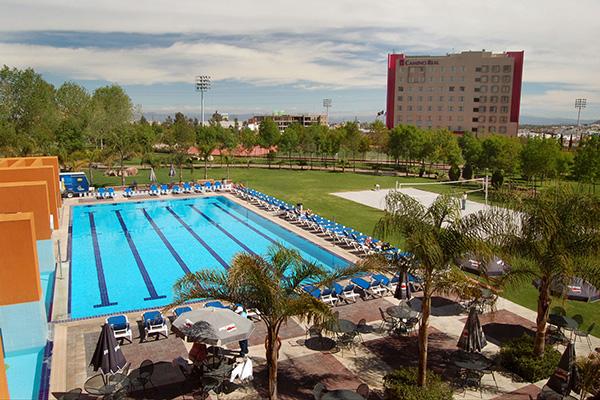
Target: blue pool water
24,373
126,256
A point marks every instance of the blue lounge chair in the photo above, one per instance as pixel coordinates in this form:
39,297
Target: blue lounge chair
180,310
128,192
346,293
370,289
208,186
216,304
110,193
197,188
164,189
218,185
187,188
153,191
120,326
176,189
384,282
155,324
313,291
100,193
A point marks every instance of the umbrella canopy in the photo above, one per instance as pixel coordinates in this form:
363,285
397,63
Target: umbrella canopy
577,289
403,288
472,338
565,378
494,267
108,355
152,175
172,171
213,326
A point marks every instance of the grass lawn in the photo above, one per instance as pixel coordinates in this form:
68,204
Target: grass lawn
313,188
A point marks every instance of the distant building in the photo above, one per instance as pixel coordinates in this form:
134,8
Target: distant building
472,91
285,120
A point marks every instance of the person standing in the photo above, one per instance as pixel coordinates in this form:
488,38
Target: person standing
464,201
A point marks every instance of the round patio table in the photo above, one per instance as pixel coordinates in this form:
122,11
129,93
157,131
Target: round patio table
342,326
473,364
97,386
401,312
342,394
562,321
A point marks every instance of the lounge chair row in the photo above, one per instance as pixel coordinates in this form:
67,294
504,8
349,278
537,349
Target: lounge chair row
337,232
373,286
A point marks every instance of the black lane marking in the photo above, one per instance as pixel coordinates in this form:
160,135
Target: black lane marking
164,239
104,299
198,238
138,261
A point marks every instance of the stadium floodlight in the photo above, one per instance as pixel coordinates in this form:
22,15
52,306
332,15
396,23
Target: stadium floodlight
327,103
580,104
202,85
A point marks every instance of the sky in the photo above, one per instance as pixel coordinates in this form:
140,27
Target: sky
280,55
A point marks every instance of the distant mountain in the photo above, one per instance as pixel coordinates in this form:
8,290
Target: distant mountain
532,120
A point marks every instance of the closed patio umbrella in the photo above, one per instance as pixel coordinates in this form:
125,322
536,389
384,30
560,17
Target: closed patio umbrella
213,326
172,171
152,175
565,377
108,355
472,338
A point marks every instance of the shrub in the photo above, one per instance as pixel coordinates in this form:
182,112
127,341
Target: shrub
454,173
517,356
401,384
497,179
467,172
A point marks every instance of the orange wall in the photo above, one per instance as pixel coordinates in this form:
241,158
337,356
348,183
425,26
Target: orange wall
3,382
31,174
19,269
41,160
28,197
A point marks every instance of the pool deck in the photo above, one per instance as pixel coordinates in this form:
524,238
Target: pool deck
300,367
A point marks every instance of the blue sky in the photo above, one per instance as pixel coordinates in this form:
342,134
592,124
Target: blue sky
281,55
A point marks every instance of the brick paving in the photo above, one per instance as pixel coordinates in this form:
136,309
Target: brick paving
525,393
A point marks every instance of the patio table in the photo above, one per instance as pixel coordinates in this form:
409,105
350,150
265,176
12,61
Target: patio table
401,312
342,326
108,387
342,394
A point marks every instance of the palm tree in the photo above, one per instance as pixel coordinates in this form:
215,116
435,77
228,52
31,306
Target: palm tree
436,237
271,284
551,238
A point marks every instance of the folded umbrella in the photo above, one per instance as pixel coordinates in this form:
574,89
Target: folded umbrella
108,355
472,338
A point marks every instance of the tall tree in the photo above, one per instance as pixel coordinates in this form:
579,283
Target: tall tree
271,284
268,136
549,238
207,141
500,153
351,140
227,141
74,110
436,237
248,140
123,145
471,149
587,160
112,110
540,158
180,136
289,140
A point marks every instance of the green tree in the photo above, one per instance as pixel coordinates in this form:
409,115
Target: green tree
112,110
74,109
248,140
550,238
180,136
540,159
405,142
227,142
290,139
268,135
586,166
436,237
471,148
500,153
122,144
351,138
272,284
207,141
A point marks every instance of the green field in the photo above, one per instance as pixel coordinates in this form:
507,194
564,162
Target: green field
313,188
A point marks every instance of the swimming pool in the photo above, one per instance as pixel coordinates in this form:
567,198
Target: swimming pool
126,256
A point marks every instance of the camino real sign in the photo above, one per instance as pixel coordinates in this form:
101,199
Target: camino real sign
419,62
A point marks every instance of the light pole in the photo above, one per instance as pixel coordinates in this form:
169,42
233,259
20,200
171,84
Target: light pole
327,104
579,104
202,85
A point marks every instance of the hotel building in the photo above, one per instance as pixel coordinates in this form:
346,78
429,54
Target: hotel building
285,120
471,91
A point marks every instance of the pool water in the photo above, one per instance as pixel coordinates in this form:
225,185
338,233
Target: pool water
126,256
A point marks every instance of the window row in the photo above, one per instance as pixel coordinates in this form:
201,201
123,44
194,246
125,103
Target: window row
493,99
494,68
431,108
423,79
431,98
429,118
432,89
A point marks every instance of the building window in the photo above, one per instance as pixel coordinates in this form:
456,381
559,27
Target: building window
482,119
451,89
442,69
477,79
476,109
476,100
453,69
482,109
484,89
399,108
409,108
461,98
428,108
430,98
477,69
450,108
441,98
494,99
492,119
462,88
419,108
474,129
484,79
474,119
400,98
440,108
451,79
503,120
460,108
506,68
483,99
441,79
495,88
492,129
496,68
505,89
409,98
400,88
495,79
504,109
460,118
462,68
505,99
502,129
400,79
506,79
485,68
493,109
410,88
450,98
420,88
